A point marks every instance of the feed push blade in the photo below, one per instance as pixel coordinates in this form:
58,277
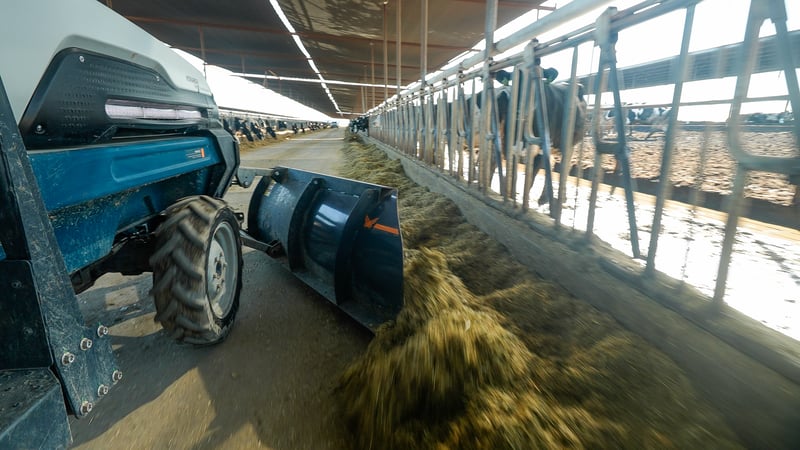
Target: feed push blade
340,236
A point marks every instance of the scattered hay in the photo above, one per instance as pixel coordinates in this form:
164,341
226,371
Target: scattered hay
485,355
446,373
246,146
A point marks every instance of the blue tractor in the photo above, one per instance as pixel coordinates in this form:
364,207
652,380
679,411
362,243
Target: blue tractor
113,158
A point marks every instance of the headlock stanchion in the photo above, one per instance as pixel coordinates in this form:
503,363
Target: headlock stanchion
606,39
472,120
669,141
760,11
567,139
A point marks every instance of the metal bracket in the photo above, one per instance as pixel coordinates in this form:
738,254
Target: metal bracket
82,356
246,175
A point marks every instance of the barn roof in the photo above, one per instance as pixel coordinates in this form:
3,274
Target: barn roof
343,37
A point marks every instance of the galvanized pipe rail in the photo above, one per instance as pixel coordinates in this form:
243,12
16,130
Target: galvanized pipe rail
425,117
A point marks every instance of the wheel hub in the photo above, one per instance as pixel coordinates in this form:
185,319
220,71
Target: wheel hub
221,270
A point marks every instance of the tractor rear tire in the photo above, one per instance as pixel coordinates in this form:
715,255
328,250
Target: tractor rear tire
197,270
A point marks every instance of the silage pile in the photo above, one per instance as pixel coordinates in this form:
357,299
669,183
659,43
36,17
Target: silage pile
485,355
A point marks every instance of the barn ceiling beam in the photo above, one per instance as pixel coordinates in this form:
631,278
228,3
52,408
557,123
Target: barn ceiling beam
513,4
288,73
310,35
308,80
281,56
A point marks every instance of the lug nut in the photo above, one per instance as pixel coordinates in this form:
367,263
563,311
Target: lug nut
86,407
67,358
102,331
116,376
102,390
86,344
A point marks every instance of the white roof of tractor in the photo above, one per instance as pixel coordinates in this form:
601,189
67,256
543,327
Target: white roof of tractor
36,30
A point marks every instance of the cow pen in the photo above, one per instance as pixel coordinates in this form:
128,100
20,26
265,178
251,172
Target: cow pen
727,251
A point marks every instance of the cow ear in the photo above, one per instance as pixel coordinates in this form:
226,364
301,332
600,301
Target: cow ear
503,77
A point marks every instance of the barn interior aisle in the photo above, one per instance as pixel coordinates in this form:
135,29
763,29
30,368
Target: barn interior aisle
313,225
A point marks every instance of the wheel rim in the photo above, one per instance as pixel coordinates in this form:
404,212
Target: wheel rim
222,270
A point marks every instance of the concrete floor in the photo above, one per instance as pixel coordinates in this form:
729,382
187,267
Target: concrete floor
269,385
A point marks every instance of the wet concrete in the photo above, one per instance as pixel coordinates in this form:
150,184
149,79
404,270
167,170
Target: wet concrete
763,281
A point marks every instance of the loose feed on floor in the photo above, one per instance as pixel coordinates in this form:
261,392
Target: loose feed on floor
486,355
246,145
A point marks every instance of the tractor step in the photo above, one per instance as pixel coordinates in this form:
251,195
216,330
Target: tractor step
32,413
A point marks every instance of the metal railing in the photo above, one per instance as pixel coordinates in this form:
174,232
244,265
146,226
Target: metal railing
440,120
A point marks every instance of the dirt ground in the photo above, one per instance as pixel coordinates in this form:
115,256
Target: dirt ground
717,165
267,386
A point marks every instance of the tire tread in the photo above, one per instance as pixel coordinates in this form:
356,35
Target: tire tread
179,270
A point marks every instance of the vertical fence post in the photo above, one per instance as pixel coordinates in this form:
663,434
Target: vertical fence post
602,36
470,121
399,47
424,91
452,126
543,123
372,68
566,138
420,148
459,124
442,128
430,129
484,171
527,121
512,136
665,186
385,56
607,40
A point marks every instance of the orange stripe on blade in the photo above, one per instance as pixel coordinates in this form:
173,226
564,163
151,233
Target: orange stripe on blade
373,223
391,230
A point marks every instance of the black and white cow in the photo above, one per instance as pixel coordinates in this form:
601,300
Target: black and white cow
771,118
256,131
270,130
656,118
555,95
360,124
240,125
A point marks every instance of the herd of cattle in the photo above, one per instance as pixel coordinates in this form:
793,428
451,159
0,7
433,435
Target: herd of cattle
650,120
360,124
258,129
655,120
